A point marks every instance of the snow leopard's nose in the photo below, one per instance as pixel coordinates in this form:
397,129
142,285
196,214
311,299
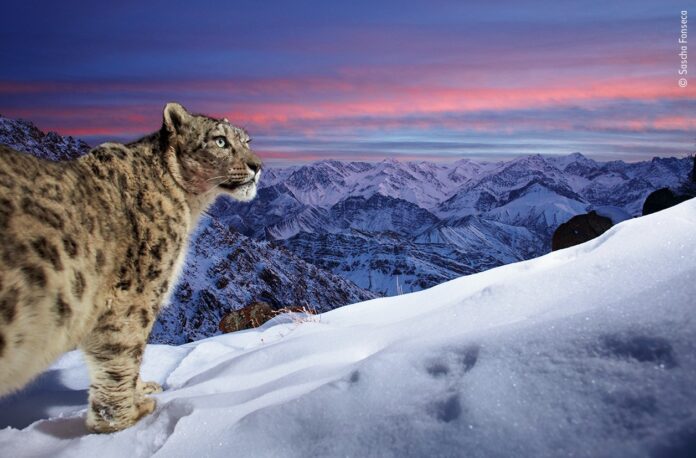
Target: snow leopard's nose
254,165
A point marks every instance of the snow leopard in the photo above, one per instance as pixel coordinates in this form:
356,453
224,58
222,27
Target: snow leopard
91,248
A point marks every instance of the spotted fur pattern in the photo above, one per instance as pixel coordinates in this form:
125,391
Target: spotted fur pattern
90,248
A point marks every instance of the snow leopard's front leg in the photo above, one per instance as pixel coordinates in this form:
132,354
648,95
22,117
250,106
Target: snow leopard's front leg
114,351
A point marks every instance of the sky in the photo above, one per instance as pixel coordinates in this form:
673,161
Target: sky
362,80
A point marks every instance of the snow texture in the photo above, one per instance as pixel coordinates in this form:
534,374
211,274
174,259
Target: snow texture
588,351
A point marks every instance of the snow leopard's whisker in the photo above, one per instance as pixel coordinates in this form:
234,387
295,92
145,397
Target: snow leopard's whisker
216,178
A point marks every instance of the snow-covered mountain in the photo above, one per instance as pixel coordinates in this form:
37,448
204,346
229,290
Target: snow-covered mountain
452,189
588,351
25,136
539,207
223,271
415,224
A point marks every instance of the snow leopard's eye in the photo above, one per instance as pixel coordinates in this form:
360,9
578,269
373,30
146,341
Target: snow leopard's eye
221,142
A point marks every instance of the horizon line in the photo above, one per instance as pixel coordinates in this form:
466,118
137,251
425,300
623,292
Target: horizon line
280,157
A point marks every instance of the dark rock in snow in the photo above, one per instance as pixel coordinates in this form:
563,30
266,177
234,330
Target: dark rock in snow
580,229
662,199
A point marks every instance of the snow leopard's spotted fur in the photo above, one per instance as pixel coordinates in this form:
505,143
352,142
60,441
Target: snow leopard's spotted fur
89,249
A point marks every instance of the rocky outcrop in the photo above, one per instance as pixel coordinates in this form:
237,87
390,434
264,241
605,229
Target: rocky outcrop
250,316
580,229
662,199
257,313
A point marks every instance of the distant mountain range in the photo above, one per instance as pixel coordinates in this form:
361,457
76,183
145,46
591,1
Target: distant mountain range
403,226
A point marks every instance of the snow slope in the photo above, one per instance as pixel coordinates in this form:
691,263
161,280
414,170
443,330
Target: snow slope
588,351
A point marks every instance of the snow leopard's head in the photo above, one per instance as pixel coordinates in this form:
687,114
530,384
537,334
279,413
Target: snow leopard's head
206,154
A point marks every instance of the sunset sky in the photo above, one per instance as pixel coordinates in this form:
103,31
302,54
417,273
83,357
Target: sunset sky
437,79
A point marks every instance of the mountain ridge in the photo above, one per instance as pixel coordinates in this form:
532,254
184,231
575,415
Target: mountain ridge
516,203
24,136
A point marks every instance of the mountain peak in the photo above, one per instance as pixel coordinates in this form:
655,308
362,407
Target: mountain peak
575,163
391,160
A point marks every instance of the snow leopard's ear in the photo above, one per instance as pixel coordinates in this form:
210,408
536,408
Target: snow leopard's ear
175,116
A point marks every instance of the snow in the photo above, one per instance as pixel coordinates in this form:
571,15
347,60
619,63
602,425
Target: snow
587,351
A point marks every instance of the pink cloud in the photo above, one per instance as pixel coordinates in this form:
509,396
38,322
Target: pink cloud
350,102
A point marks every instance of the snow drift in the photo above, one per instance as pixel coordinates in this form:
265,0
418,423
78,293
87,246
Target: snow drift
588,351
